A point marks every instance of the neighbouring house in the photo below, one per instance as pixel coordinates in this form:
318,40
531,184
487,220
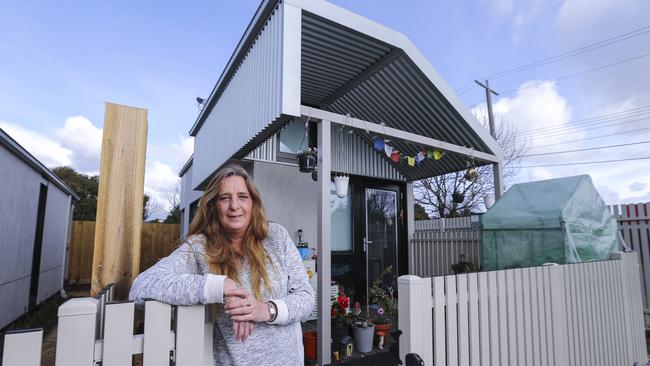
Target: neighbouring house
310,74
35,216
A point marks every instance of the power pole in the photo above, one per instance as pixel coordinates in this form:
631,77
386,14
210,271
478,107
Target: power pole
497,169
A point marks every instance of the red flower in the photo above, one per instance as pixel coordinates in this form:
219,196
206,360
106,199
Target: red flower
333,312
343,301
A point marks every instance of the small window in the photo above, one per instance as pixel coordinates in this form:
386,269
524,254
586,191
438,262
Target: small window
292,140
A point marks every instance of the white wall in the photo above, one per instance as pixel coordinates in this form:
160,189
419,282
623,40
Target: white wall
290,198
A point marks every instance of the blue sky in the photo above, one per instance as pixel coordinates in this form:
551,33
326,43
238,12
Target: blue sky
59,63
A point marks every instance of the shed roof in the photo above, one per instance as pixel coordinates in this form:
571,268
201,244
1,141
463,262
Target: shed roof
24,155
352,65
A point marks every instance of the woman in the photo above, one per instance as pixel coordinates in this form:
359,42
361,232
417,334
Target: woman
251,268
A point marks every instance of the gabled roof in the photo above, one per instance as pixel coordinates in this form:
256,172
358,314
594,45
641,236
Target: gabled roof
24,155
352,65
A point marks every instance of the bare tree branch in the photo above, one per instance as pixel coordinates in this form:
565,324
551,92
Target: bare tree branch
435,194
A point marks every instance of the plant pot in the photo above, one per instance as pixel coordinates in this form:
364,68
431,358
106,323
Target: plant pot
363,338
341,183
338,332
307,161
304,253
383,327
309,341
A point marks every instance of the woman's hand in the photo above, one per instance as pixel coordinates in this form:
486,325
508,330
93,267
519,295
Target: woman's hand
241,329
241,306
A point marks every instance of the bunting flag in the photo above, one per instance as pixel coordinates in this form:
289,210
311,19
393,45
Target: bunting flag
437,154
429,154
395,156
388,150
378,144
419,157
411,161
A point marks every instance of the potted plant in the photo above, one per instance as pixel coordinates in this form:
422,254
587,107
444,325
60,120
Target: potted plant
385,310
307,160
457,197
363,331
341,316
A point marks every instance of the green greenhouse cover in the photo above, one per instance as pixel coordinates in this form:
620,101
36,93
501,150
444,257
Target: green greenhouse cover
560,221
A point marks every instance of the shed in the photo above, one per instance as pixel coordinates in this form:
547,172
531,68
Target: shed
35,217
560,221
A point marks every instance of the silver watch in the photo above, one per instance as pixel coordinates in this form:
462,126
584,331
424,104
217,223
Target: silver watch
273,310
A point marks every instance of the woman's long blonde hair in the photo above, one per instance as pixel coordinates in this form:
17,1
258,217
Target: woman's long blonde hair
220,256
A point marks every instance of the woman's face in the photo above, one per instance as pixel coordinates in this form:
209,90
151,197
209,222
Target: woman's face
234,205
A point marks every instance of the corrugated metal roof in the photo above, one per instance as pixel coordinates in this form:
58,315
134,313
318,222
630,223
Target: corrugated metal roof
350,64
345,71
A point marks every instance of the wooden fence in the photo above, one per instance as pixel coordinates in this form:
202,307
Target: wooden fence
576,314
158,240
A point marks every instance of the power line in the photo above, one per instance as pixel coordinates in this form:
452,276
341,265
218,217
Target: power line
607,116
585,162
561,56
586,149
575,74
573,130
591,138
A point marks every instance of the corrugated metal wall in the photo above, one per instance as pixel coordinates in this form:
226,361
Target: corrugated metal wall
250,102
359,158
266,151
356,157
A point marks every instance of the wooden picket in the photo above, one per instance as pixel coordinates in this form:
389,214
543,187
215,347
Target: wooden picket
157,241
576,314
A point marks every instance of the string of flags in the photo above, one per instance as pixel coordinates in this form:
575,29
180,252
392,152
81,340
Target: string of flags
395,155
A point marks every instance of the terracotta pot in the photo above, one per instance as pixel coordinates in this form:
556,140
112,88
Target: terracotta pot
309,341
383,327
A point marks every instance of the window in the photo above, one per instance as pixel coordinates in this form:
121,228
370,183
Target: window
292,140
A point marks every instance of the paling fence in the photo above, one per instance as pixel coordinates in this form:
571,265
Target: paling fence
575,314
437,244
96,331
634,224
157,241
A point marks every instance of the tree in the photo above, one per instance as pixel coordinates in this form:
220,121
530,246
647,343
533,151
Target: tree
174,216
435,194
86,188
420,212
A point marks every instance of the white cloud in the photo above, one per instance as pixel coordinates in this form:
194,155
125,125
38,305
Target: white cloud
49,152
79,135
535,112
638,186
579,17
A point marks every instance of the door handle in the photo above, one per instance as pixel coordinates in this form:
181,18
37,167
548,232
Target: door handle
365,244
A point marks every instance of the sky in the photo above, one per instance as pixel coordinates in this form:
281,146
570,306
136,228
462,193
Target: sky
61,61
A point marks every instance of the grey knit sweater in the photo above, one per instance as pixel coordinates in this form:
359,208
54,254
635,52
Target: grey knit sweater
183,278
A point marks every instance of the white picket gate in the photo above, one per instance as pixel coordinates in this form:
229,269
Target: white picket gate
91,333
576,314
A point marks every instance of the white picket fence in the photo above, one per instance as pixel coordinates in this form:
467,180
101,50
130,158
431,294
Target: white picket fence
96,331
576,314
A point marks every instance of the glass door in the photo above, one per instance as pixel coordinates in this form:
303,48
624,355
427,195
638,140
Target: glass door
381,234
